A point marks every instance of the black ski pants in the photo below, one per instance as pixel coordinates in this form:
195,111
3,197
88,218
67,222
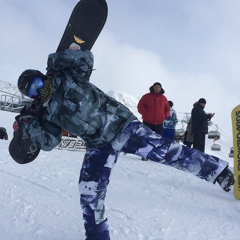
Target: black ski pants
199,141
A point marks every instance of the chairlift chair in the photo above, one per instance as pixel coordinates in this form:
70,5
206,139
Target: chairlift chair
186,118
215,134
216,147
179,134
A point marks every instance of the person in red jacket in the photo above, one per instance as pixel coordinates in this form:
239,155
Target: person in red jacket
154,108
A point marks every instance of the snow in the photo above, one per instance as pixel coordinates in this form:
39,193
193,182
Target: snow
145,200
127,100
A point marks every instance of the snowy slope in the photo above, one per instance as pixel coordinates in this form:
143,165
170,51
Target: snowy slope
145,200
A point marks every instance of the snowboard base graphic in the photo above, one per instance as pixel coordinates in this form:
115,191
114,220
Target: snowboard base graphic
72,144
236,146
85,24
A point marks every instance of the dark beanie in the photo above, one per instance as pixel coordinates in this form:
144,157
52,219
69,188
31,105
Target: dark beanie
157,83
202,100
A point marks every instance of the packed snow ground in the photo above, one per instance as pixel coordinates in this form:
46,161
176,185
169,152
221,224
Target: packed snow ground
145,200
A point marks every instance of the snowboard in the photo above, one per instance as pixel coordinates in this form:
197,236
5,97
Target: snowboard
85,24
236,148
21,148
83,28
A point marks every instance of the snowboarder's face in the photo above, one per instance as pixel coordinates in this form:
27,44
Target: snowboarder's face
157,89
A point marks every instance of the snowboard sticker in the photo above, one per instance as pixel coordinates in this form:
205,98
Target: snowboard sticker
236,147
72,144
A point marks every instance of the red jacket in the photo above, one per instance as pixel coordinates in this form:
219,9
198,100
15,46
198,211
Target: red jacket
154,108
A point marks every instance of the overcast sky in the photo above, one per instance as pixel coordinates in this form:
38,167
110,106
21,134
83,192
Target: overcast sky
192,47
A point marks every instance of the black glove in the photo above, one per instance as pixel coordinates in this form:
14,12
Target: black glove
35,109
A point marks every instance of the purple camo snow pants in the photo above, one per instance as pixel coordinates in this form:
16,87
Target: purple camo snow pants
137,139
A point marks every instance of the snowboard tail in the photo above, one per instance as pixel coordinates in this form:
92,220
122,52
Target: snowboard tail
236,149
21,148
85,24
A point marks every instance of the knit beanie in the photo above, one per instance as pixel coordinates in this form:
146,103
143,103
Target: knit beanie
170,103
202,100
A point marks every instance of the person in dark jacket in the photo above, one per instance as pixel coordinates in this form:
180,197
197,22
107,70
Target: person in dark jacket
200,124
3,133
67,100
188,135
154,108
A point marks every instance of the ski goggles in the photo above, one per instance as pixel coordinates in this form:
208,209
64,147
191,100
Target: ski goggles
36,84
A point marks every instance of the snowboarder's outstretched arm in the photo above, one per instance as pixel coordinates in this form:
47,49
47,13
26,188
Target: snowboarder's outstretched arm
45,135
77,63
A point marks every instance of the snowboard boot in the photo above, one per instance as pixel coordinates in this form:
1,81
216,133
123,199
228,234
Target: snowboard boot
226,179
97,231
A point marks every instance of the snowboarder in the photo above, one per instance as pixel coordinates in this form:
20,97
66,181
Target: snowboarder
69,101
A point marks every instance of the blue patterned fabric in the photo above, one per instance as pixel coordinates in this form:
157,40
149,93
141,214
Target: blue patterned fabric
136,139
169,125
171,121
77,105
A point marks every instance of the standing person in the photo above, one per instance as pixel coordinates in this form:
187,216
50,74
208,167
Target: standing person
3,133
67,100
154,108
188,135
170,123
200,124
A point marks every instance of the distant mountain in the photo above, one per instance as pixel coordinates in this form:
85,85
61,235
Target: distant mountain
127,100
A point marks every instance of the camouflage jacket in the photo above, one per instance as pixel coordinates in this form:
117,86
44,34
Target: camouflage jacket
76,105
